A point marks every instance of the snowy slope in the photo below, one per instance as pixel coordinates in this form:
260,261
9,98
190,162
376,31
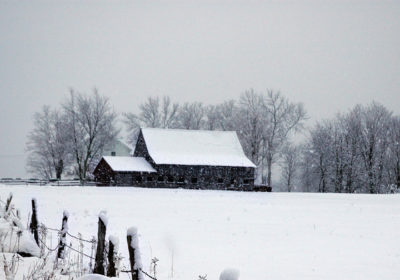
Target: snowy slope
263,235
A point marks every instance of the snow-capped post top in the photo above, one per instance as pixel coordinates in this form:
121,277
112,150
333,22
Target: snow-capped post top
103,217
66,214
115,241
134,253
229,274
132,231
101,238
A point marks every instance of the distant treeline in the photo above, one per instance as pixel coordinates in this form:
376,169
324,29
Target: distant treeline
357,151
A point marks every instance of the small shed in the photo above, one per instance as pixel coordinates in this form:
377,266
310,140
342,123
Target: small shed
121,171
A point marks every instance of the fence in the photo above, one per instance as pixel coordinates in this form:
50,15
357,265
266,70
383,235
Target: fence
40,182
103,258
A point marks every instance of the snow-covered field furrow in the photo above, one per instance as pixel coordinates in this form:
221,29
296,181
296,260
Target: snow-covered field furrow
264,235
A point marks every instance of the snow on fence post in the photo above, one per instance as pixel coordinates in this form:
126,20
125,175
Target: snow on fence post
101,244
112,256
134,254
34,222
229,274
63,235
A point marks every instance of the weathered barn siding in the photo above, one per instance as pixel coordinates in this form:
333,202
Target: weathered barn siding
103,174
203,177
142,151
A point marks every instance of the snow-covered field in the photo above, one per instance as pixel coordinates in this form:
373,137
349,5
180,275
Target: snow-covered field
264,235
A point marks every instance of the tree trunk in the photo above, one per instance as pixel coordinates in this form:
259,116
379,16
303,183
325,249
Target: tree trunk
269,169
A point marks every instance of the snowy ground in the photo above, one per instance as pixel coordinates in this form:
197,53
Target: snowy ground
264,235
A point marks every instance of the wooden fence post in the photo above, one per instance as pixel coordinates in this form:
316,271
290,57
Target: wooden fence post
112,253
34,222
63,235
134,254
101,239
8,204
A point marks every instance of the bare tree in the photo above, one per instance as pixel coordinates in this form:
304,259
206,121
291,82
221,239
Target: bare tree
228,112
48,144
354,152
191,116
251,124
91,124
282,118
289,164
394,151
373,143
213,117
152,114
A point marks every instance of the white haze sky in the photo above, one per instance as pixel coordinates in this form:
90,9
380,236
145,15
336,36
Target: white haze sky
330,55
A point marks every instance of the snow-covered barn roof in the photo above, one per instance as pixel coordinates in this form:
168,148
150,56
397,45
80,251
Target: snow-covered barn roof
195,147
129,164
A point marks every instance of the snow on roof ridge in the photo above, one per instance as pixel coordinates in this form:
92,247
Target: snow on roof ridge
188,130
195,147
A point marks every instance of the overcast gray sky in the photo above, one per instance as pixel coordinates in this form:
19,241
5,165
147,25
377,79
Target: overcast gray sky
330,55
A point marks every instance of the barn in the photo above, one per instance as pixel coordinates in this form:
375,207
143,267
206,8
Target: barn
178,158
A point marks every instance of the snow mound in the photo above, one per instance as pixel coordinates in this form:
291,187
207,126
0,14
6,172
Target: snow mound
16,240
229,274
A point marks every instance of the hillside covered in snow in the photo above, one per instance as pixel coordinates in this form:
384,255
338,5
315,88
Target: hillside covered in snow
259,235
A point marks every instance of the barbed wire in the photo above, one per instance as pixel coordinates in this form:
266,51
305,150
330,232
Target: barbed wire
44,244
141,270
81,239
93,240
73,249
148,275
59,232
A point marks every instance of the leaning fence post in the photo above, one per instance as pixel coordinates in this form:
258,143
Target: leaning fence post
63,235
8,203
101,239
34,222
112,253
134,254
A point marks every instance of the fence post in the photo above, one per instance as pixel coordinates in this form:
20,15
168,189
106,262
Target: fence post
101,239
63,235
134,254
8,204
34,222
112,253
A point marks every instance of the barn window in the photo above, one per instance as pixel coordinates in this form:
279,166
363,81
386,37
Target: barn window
170,179
194,180
160,179
138,178
113,154
233,181
246,181
149,179
181,180
220,180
